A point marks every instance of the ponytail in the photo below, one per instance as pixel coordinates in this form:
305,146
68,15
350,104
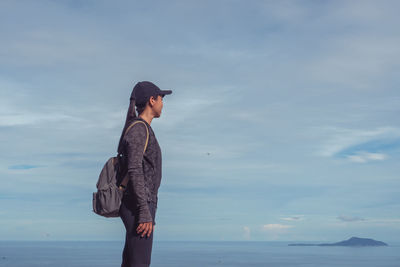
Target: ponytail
130,117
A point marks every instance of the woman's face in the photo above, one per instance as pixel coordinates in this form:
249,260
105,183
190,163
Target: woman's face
157,105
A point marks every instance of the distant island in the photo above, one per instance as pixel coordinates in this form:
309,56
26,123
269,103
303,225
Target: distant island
352,242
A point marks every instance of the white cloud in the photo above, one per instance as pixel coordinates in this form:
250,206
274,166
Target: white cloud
363,157
341,139
246,232
32,118
275,227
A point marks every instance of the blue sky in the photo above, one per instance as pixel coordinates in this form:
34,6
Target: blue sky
283,122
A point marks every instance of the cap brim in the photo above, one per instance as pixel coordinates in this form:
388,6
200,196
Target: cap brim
165,92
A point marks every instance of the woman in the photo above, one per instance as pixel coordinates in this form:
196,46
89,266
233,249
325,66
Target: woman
140,199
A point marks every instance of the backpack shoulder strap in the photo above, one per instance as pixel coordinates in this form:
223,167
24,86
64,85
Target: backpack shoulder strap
126,178
147,136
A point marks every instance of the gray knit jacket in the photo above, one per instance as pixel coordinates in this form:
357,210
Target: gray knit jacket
144,170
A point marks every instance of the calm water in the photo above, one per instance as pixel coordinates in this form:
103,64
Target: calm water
196,254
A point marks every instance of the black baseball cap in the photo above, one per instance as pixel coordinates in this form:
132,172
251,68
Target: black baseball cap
144,90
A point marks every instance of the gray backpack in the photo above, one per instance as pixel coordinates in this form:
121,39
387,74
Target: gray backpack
107,199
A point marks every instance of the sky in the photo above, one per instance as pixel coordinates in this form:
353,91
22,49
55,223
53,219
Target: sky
283,124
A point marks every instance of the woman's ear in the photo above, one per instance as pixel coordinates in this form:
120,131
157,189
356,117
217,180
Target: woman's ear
152,101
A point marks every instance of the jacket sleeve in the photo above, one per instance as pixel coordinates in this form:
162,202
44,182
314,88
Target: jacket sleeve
135,140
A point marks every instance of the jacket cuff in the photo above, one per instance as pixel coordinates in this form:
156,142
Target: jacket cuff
144,215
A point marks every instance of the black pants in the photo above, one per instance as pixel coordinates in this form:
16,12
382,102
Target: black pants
137,250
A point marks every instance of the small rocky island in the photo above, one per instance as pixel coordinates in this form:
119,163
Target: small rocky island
352,242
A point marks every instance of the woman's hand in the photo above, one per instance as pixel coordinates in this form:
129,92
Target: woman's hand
146,227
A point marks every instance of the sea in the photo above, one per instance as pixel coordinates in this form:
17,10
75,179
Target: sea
195,254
